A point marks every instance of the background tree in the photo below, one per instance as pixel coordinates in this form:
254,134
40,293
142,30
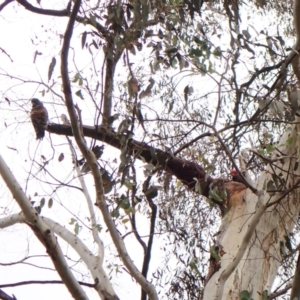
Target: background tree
183,91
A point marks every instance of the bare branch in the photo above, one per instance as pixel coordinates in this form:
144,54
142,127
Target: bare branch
42,232
6,2
4,296
91,160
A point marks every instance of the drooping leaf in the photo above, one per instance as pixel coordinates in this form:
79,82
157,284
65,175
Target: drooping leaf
61,157
51,68
50,203
83,39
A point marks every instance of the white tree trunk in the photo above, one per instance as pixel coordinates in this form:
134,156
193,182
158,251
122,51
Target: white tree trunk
255,268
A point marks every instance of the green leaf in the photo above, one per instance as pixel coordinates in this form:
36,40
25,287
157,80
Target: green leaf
217,52
264,295
193,266
124,203
93,20
290,141
270,148
245,295
115,213
196,52
98,227
76,229
214,251
79,94
72,221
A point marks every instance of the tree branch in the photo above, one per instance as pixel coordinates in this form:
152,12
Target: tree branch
42,232
186,171
91,160
295,292
63,13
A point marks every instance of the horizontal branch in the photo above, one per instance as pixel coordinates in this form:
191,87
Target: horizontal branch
186,171
92,285
63,13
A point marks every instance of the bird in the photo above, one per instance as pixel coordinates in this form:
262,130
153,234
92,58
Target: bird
236,176
39,118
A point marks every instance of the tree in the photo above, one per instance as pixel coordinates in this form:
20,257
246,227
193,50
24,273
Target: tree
190,89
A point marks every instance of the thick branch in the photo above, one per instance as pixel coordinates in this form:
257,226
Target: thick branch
186,171
295,292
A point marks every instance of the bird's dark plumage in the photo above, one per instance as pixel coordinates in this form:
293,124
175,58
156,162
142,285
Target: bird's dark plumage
39,118
236,176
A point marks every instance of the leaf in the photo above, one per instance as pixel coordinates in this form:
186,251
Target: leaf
76,228
270,148
282,248
139,115
185,93
79,94
245,295
93,21
38,209
51,68
61,157
193,266
115,213
290,141
50,203
288,243
246,34
160,34
42,202
196,52
83,39
171,50
72,221
98,227
124,203
149,167
264,295
214,251
217,52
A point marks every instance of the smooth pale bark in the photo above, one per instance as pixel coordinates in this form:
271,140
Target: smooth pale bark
42,232
254,267
257,268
